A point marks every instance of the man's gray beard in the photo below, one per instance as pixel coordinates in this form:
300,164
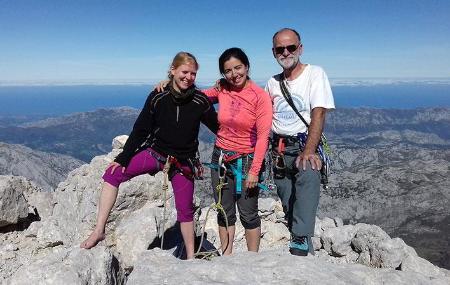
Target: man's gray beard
288,63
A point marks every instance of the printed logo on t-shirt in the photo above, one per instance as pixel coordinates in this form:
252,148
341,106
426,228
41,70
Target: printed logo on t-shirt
235,108
284,113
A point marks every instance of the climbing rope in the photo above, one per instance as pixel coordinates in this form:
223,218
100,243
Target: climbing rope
165,187
217,206
235,170
222,171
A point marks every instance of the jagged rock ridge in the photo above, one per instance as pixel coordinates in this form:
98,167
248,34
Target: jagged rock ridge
51,244
80,135
43,168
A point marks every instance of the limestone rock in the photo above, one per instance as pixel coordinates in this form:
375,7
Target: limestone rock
137,231
267,267
50,247
13,205
76,199
396,181
327,223
273,234
337,240
69,266
119,141
317,243
40,202
45,169
368,237
266,205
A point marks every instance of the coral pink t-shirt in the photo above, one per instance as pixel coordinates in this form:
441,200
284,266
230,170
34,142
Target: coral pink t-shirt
245,119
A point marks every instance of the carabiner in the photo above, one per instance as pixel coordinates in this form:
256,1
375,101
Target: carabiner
221,166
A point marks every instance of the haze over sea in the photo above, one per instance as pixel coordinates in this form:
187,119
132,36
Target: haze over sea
55,100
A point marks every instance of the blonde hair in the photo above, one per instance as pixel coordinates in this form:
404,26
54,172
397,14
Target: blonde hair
182,58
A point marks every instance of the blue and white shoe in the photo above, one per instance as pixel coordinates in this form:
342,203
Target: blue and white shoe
299,245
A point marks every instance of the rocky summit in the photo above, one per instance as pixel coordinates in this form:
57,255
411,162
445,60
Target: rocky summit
40,236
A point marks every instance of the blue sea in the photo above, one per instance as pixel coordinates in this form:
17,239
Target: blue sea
61,100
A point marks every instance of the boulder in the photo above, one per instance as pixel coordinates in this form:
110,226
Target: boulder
69,266
119,141
337,241
137,231
13,205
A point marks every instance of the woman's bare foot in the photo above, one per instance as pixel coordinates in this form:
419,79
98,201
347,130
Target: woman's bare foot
94,238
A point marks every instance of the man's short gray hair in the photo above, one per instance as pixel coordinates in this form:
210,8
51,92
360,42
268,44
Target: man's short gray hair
287,29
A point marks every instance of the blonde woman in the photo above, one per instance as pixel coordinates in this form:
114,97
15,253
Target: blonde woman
168,125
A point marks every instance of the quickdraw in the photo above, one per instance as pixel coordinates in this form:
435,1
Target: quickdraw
279,162
324,152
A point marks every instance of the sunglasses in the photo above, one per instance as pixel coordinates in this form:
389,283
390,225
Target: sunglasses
290,49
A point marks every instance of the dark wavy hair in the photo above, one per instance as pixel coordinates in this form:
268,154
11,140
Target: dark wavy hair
233,52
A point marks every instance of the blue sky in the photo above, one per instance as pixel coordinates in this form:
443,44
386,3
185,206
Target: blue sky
122,41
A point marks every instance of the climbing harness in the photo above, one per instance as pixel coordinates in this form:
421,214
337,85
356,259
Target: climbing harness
279,165
323,149
279,162
235,163
193,171
171,167
324,152
230,163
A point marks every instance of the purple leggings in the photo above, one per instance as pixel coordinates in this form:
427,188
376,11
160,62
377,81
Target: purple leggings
143,162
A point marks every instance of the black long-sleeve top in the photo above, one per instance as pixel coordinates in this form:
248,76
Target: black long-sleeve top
170,125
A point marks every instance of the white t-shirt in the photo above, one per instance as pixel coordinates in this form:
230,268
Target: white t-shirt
311,89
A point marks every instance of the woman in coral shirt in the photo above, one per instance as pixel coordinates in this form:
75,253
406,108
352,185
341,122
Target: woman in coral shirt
245,120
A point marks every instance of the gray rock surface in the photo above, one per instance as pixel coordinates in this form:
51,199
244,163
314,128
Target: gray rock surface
13,205
38,202
69,266
133,225
48,250
76,200
43,168
402,188
272,266
119,141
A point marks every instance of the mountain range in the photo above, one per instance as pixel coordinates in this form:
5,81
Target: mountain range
43,168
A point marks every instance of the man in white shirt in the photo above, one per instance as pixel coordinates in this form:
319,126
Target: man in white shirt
298,177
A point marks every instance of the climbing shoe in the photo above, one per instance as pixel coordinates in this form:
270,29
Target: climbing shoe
299,245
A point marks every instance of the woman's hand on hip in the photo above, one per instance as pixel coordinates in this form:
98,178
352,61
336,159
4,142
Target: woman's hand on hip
114,166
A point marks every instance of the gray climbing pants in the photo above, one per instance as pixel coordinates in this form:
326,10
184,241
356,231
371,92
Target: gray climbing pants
299,192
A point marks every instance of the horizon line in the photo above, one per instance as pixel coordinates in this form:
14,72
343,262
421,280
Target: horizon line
334,81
